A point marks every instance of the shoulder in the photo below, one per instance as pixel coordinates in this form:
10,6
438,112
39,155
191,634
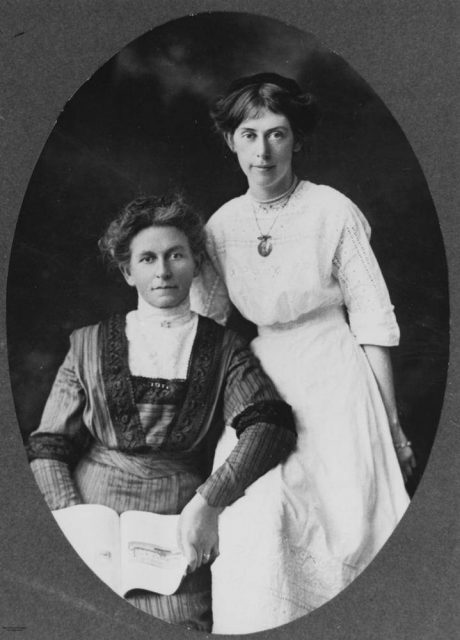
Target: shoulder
323,195
84,333
227,337
225,213
339,211
91,334
209,330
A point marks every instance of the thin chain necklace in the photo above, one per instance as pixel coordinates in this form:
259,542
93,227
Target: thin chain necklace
265,245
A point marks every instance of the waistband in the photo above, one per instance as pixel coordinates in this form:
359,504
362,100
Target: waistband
332,315
153,464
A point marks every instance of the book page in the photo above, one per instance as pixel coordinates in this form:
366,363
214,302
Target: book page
93,531
150,556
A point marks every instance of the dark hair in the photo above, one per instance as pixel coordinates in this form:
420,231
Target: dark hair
246,97
151,211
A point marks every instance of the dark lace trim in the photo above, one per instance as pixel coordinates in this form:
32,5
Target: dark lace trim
201,376
271,411
118,385
158,390
53,445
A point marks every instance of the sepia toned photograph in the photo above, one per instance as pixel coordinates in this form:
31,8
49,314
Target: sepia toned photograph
227,326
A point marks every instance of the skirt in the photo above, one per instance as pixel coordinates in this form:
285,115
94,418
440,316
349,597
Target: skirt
307,528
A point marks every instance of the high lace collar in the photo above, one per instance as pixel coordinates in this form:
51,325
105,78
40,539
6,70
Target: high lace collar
164,318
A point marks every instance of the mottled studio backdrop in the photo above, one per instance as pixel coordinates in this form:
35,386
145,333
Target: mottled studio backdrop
141,125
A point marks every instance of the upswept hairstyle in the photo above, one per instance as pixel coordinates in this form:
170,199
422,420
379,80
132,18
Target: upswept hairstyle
151,211
246,97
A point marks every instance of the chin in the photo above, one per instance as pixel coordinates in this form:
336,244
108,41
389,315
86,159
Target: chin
165,304
169,303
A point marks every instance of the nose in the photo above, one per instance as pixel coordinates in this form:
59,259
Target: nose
162,269
262,148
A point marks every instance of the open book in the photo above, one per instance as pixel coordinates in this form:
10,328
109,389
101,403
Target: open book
137,550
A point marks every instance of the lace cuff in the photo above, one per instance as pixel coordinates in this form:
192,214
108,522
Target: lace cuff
275,412
53,446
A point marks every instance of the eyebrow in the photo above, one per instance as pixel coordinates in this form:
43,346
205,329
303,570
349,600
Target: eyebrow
176,247
268,130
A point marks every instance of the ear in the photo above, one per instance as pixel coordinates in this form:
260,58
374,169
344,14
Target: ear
298,144
124,268
229,140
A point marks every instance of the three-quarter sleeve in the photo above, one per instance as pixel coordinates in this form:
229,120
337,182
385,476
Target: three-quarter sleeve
264,425
58,442
370,312
209,295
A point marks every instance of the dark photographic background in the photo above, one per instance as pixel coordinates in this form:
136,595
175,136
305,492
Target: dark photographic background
141,125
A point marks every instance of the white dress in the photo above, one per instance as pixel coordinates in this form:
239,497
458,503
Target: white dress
307,528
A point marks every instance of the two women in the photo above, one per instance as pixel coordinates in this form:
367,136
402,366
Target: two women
132,404
294,258
136,407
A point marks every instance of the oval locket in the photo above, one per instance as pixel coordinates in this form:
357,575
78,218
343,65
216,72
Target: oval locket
265,246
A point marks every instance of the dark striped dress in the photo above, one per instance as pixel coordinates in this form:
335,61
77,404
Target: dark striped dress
130,442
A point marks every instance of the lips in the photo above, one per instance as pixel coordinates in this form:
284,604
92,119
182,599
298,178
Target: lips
163,288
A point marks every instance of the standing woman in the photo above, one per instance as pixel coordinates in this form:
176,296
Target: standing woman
294,258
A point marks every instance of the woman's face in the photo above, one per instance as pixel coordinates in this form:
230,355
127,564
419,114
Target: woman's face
264,146
161,266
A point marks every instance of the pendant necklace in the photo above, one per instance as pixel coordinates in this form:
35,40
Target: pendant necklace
265,245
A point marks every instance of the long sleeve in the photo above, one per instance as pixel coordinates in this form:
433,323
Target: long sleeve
366,297
55,483
264,425
58,442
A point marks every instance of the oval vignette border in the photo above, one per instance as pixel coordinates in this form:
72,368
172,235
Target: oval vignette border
395,598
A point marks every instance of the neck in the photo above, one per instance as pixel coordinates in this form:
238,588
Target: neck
151,314
281,196
266,194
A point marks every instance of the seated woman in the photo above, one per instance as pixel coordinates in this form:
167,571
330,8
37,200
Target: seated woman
138,404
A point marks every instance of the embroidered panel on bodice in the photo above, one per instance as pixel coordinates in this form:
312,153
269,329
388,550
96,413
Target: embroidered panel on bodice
157,401
164,414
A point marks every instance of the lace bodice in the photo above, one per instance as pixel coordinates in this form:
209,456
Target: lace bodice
321,258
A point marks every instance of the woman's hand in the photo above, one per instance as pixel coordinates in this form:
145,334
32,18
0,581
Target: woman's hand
404,452
198,532
406,459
